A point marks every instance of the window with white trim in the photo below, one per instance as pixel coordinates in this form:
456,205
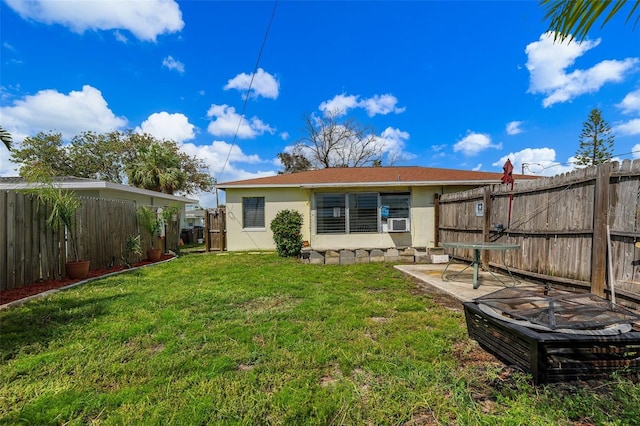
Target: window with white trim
253,212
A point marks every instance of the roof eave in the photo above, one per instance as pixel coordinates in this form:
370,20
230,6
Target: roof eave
96,184
363,184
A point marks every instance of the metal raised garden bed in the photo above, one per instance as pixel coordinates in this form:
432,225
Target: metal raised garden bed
556,335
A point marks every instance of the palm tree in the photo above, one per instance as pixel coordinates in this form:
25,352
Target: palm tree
157,168
572,19
6,138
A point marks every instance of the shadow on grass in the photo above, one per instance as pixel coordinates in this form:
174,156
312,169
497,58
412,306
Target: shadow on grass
33,325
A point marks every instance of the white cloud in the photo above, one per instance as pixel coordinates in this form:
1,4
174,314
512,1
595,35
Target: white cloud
378,104
537,161
474,143
514,127
631,103
264,84
162,125
120,37
635,150
340,105
631,127
226,121
438,151
381,104
477,168
284,135
392,143
219,152
7,168
548,62
144,19
222,159
50,110
172,64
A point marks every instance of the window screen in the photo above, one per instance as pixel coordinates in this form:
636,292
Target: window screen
330,211
358,212
394,205
363,212
253,212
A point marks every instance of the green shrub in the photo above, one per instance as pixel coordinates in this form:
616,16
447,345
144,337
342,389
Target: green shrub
287,227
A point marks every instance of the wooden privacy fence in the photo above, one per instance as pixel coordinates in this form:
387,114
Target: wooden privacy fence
566,226
31,251
215,236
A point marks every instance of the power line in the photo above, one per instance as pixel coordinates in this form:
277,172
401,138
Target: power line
568,163
246,98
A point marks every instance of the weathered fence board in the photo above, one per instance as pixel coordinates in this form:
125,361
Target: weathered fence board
215,230
561,224
30,250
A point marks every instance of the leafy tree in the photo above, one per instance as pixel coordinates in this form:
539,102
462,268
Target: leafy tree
596,140
44,154
572,19
293,163
7,140
331,143
98,156
198,177
287,234
143,160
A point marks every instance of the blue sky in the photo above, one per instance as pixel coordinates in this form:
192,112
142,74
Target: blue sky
444,84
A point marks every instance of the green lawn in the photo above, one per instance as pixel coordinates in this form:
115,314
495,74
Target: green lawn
256,339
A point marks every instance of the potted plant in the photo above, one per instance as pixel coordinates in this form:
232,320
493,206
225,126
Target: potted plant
63,206
132,246
149,220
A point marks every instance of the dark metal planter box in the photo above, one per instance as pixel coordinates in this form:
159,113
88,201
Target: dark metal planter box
554,357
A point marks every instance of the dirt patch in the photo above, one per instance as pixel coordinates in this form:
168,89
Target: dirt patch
11,295
439,296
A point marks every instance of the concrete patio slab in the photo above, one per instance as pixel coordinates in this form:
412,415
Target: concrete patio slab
460,287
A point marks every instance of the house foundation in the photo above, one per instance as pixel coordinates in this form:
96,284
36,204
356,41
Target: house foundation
364,255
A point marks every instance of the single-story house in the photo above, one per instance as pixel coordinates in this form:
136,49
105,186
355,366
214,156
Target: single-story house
345,208
194,216
107,190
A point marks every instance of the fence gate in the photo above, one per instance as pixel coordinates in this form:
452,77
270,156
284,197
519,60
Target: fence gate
216,230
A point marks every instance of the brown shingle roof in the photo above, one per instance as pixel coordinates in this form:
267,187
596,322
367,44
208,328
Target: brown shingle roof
358,176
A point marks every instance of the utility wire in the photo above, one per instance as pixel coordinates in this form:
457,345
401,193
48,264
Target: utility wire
246,98
528,216
568,163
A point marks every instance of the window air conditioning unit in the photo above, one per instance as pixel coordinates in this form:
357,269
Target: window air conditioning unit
398,225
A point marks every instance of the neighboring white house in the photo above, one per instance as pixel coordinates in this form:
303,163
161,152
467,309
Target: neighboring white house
194,216
107,190
345,208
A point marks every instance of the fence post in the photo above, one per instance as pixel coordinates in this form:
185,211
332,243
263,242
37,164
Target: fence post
436,219
599,242
486,223
207,234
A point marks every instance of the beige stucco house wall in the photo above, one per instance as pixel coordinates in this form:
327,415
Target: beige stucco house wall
415,188
422,218
276,199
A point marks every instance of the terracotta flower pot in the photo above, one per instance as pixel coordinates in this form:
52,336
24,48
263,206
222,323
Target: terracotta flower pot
77,270
154,255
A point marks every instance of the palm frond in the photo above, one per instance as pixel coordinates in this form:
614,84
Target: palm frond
573,19
6,138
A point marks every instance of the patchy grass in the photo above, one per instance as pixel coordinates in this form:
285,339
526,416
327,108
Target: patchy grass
257,339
